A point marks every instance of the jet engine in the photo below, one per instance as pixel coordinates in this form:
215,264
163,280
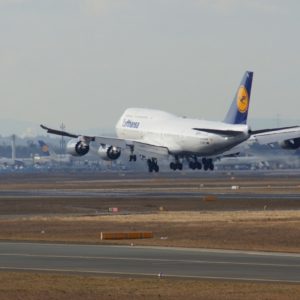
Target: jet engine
290,144
77,148
108,152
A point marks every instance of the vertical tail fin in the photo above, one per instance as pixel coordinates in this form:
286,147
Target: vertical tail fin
238,111
44,148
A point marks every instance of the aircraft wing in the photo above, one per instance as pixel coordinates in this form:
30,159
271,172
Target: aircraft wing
150,149
275,135
139,147
119,143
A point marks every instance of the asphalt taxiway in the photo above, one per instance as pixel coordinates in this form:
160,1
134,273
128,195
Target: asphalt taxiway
151,261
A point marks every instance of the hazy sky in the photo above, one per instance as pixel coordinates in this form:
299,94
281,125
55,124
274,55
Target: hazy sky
84,62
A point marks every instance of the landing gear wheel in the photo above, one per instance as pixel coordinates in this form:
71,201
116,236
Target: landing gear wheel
152,165
132,157
173,166
179,166
208,164
176,166
198,165
192,165
195,165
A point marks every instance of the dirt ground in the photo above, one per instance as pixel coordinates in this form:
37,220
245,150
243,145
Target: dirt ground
36,286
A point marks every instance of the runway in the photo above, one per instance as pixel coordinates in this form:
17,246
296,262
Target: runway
144,192
151,261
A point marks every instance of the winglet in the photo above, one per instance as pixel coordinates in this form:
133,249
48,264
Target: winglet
59,132
239,108
64,133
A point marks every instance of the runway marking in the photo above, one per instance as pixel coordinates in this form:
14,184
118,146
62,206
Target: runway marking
149,274
148,259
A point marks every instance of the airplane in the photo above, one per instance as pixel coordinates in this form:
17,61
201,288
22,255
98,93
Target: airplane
17,163
48,156
155,133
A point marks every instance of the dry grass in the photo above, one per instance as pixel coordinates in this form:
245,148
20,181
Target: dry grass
263,230
182,217
44,286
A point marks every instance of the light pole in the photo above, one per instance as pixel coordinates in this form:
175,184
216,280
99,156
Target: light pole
13,148
62,141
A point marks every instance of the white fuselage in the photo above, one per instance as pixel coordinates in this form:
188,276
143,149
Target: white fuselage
163,129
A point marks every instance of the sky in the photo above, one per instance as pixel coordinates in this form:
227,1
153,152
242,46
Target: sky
84,62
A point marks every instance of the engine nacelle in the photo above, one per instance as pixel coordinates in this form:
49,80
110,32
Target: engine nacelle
108,152
77,148
290,144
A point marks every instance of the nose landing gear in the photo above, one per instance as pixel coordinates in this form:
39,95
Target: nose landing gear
132,157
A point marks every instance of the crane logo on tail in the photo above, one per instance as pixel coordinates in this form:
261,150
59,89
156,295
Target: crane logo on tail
242,99
45,148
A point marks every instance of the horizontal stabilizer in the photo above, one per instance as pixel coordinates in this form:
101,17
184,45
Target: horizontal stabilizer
253,132
275,135
220,131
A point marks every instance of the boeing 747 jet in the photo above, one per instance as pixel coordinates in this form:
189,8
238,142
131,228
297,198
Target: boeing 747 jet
151,134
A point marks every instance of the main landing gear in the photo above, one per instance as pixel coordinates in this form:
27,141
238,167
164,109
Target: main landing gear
177,165
207,164
195,165
152,165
